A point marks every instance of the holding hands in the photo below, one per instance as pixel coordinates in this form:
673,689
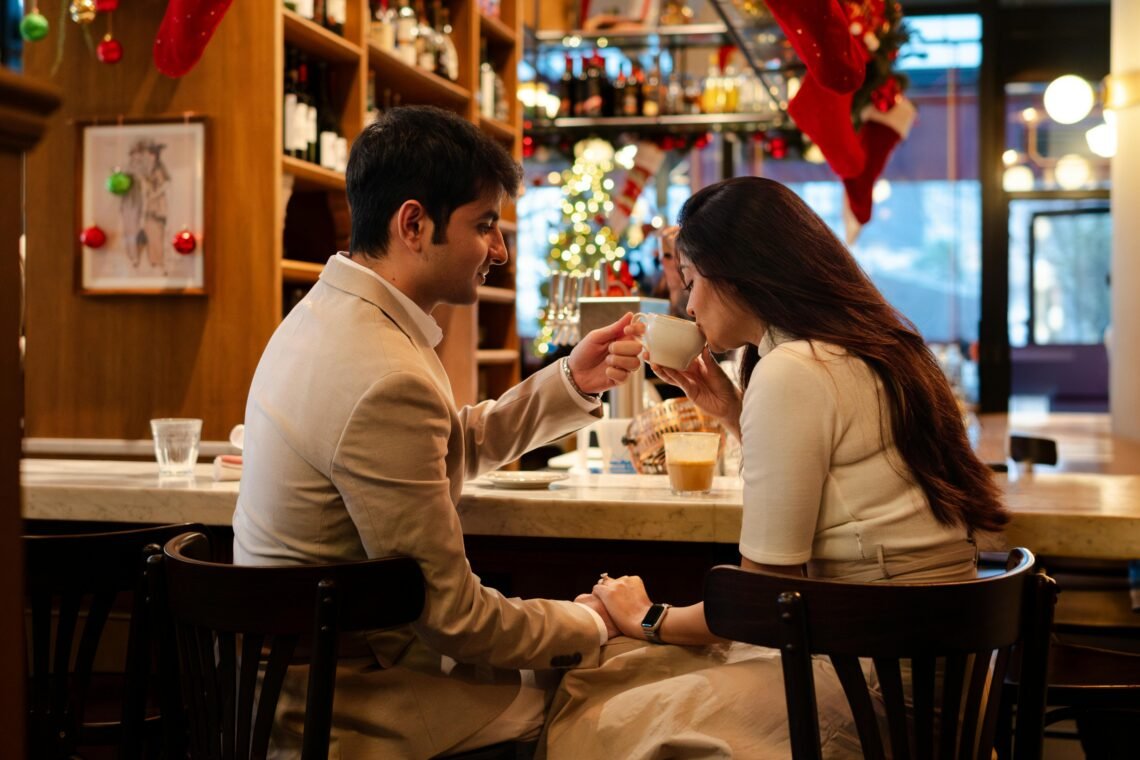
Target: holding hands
622,603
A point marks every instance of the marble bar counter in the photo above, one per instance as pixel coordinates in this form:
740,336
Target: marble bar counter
1064,514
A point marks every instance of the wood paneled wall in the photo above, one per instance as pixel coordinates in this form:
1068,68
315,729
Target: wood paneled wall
24,109
102,366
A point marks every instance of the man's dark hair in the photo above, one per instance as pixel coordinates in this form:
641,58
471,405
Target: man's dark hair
424,154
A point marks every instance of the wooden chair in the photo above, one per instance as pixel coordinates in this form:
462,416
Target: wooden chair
230,620
965,628
73,583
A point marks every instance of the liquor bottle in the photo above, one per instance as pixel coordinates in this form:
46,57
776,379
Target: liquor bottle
425,39
730,86
592,101
335,14
449,56
406,33
712,98
382,30
608,96
372,112
619,93
289,111
580,87
567,89
630,96
651,93
486,83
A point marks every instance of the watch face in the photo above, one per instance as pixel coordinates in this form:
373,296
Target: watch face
653,617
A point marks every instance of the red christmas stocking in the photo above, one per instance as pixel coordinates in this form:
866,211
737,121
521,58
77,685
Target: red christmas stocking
879,135
825,117
820,33
185,29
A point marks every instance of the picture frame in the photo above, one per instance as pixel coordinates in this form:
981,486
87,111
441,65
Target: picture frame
165,161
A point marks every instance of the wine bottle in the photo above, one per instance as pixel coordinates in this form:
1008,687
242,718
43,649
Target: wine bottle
486,83
568,89
289,110
328,126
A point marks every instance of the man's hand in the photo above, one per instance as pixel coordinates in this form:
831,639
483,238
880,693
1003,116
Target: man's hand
596,605
605,357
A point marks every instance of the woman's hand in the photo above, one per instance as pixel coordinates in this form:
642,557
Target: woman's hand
626,601
707,386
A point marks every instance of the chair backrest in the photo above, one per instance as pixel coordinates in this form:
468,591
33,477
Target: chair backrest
231,619
72,584
961,630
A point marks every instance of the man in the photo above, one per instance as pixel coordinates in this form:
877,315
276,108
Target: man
354,448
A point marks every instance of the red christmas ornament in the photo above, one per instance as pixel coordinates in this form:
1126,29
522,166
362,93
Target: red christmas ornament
887,95
778,147
109,50
185,242
93,237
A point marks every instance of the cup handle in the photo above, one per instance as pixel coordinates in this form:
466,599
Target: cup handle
642,316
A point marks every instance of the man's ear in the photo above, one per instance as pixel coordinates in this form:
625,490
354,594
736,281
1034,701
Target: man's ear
411,222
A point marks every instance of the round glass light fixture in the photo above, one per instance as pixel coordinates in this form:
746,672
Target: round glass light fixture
1102,140
1009,157
1072,172
1017,179
1069,99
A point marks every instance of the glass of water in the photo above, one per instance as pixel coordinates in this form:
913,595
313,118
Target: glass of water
176,445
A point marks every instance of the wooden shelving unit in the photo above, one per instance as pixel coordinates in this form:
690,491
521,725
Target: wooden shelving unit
480,346
300,272
309,176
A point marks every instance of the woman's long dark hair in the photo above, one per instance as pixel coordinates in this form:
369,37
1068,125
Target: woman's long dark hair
757,240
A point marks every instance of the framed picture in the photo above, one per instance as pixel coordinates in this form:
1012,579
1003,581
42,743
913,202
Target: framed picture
142,208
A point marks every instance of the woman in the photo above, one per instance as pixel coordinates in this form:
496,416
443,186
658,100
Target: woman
856,466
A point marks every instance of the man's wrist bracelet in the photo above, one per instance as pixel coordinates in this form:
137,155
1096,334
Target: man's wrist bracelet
570,378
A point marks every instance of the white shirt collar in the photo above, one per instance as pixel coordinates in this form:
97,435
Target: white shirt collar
424,322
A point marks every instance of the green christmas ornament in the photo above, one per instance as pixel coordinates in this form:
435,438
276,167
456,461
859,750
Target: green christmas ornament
33,27
119,182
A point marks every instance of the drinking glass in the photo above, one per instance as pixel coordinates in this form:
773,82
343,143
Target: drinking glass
690,459
176,445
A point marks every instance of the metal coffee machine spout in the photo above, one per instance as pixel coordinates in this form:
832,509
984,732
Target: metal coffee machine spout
625,400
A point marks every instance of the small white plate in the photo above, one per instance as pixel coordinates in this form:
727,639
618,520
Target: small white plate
523,479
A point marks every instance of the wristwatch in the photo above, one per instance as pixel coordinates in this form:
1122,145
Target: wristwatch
651,623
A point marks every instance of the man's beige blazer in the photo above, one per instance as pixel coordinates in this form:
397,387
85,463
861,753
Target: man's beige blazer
354,449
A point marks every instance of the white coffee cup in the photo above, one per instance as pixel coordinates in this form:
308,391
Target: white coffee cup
672,342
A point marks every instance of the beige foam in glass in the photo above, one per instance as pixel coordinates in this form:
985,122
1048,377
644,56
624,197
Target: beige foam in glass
672,342
690,459
176,442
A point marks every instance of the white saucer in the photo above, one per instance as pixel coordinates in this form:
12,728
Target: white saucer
523,479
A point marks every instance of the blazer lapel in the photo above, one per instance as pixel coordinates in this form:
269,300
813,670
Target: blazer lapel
342,276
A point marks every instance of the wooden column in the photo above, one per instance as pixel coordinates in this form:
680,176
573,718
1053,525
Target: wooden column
24,108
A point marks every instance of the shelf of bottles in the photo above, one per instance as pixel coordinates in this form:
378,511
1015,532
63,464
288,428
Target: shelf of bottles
412,52
316,96
636,79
